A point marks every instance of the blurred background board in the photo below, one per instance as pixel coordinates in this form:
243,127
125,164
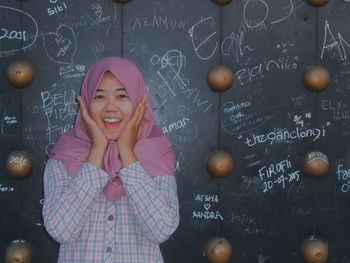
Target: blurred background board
267,120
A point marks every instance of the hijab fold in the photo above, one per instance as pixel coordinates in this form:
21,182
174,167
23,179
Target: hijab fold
153,150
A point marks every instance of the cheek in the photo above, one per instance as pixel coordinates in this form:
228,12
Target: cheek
94,111
128,111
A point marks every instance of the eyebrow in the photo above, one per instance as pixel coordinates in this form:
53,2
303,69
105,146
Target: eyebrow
118,89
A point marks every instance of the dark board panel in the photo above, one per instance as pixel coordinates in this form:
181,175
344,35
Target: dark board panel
10,129
167,40
263,121
267,120
62,40
333,109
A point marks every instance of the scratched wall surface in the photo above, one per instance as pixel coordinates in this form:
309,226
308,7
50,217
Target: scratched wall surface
267,121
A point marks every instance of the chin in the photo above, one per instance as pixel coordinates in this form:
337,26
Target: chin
112,138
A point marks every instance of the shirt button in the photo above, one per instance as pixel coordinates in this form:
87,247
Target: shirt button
109,249
111,217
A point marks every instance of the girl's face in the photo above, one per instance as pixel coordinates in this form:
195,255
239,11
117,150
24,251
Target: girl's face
111,107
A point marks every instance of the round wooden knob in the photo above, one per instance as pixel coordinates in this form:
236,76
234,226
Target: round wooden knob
318,2
218,250
314,251
317,78
121,1
20,73
220,78
19,251
220,164
222,2
316,164
19,164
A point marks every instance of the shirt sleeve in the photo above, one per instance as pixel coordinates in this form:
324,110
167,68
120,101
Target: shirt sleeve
153,201
68,198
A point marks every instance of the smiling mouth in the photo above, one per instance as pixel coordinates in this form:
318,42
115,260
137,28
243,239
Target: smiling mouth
111,122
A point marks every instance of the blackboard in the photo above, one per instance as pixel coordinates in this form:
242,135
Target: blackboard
261,120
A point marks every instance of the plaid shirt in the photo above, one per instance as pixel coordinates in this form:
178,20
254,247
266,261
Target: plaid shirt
92,229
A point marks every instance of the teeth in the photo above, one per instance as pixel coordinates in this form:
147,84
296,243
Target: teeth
111,120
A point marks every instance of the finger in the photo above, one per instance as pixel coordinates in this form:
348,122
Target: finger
85,115
143,107
142,113
135,121
138,134
135,116
82,103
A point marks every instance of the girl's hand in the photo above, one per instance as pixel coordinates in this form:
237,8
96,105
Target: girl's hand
132,132
97,138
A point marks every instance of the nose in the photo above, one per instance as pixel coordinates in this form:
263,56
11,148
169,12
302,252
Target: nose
111,105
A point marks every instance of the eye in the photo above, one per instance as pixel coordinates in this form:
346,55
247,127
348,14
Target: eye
99,97
122,96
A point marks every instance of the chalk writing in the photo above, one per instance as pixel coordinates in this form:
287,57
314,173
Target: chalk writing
3,113
175,125
261,231
237,119
208,200
158,22
256,72
20,159
204,48
4,188
343,177
233,45
172,64
10,120
60,46
261,5
340,110
252,159
283,135
179,158
56,9
315,156
241,219
59,109
207,215
186,136
12,34
264,10
138,48
70,71
298,119
97,8
333,45
277,174
244,28
231,107
98,49
298,100
9,35
95,20
252,184
283,46
297,211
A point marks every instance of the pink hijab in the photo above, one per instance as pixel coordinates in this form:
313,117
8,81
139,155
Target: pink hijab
153,150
